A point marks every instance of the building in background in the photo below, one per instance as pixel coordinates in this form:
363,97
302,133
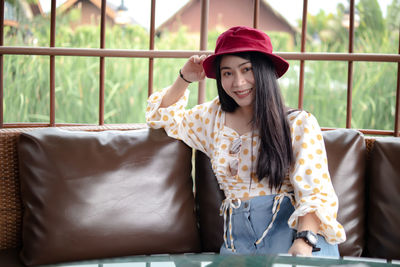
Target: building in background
90,12
227,13
20,10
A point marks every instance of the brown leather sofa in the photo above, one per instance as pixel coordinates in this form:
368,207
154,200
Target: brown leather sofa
109,191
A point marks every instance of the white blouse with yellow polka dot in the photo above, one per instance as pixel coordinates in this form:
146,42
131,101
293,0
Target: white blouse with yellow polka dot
234,158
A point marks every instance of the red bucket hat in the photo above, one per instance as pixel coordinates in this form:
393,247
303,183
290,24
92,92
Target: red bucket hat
244,39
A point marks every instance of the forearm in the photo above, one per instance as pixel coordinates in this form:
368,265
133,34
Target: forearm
309,222
192,71
174,93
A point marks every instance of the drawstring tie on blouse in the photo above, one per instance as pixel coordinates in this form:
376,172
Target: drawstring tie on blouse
275,209
229,204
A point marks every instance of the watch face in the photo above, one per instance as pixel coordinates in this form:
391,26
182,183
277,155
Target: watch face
312,238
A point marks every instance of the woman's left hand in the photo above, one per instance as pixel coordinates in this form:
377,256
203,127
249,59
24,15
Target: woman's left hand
300,247
311,222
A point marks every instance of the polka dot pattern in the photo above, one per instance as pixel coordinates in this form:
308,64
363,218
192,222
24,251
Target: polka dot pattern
202,128
309,178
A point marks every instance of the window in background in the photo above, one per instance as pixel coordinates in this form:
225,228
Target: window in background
374,95
125,92
77,90
26,88
325,92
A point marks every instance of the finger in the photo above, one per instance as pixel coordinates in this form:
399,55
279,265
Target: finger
197,59
202,58
192,59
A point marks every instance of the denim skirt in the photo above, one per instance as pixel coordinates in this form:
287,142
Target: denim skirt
251,219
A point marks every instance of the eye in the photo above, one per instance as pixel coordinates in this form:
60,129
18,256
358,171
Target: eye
226,73
246,69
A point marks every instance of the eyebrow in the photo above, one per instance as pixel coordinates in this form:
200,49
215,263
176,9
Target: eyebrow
241,64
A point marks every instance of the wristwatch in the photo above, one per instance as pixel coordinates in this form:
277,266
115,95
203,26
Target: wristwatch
310,238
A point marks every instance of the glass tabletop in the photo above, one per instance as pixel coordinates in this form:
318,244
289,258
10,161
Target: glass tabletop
212,260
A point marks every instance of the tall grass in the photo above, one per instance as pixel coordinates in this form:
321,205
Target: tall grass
26,80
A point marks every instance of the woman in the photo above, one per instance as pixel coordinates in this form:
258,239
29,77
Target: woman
270,161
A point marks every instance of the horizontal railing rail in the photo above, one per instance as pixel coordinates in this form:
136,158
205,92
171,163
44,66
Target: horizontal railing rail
128,53
40,125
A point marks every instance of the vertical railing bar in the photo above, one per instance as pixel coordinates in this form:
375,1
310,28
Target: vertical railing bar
256,13
302,49
151,46
351,27
1,63
203,45
52,64
397,115
102,61
350,68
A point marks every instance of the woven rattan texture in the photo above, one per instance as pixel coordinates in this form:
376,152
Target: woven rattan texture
369,143
11,209
10,200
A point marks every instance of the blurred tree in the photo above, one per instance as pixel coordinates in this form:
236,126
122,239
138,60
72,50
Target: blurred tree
393,16
327,30
371,19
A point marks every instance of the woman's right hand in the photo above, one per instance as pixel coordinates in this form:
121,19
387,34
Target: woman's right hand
193,69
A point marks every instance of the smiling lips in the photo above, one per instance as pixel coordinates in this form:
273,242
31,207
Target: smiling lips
243,93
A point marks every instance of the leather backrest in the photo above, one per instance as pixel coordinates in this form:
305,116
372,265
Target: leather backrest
346,153
383,236
208,201
346,159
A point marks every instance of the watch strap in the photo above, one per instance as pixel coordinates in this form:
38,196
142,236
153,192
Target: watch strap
305,236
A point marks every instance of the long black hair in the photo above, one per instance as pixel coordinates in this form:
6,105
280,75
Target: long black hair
269,117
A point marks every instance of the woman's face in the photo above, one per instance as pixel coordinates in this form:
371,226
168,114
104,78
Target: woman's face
237,79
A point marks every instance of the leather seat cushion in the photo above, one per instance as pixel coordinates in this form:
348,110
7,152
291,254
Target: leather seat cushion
90,195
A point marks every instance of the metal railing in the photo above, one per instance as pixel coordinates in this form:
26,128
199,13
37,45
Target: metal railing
151,54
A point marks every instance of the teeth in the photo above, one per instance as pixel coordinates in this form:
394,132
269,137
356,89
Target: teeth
243,92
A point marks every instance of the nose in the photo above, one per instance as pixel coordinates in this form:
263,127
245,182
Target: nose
238,79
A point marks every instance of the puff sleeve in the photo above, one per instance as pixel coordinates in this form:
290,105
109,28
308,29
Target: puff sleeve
190,126
310,178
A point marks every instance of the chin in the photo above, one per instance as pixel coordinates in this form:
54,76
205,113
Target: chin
244,104
248,102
